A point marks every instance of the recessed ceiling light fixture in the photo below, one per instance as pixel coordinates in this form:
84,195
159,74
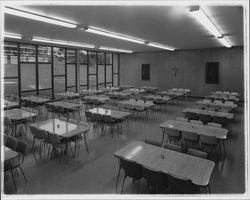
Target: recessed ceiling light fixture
160,46
200,15
103,32
47,40
33,16
13,35
115,49
224,42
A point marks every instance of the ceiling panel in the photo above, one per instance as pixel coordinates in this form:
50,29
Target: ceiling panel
170,25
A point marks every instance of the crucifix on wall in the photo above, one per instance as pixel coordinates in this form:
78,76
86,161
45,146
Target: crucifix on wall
175,70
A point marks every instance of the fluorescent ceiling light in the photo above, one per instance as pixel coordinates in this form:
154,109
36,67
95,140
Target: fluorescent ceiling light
47,40
205,21
224,42
12,35
113,35
160,46
36,17
115,49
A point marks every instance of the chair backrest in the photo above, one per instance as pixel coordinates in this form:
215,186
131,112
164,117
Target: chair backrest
205,118
181,119
139,107
172,132
196,122
208,140
132,169
220,120
21,147
190,136
181,186
173,147
152,142
197,153
54,138
191,116
7,121
156,179
214,125
11,142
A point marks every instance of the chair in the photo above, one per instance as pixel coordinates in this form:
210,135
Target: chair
214,125
173,135
221,120
156,180
189,138
182,119
197,153
196,122
11,142
109,122
131,169
209,143
152,142
173,147
181,186
205,118
191,116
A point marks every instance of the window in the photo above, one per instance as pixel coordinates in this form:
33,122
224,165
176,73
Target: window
212,72
44,54
83,56
59,61
27,53
44,74
145,72
101,58
92,63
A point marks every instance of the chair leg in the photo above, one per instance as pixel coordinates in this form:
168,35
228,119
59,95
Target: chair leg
117,178
13,177
33,143
23,174
123,183
85,142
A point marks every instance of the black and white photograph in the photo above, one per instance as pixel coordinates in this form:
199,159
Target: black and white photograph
124,99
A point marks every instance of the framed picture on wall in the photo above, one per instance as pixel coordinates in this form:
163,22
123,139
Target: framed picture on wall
212,73
145,72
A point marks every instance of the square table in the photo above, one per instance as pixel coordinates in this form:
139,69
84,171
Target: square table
10,104
37,100
18,114
116,114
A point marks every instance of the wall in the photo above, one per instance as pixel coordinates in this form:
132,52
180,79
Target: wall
191,74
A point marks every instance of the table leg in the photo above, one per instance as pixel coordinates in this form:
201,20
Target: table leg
85,142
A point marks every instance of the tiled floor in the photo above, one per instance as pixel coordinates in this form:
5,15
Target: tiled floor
96,173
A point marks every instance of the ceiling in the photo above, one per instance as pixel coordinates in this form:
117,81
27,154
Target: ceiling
169,25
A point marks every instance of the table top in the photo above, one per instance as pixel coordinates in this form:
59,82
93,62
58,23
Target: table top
219,133
134,103
9,153
198,170
209,112
36,99
113,113
226,93
64,104
157,97
97,98
8,103
223,97
18,114
61,127
217,104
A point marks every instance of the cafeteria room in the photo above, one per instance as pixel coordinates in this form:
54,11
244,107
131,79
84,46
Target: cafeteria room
125,99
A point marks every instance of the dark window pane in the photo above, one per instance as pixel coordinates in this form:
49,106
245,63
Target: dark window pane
108,73
83,56
115,63
83,74
92,82
27,53
101,58
59,84
115,79
10,87
108,58
28,77
71,75
71,56
59,60
44,54
44,73
47,93
101,73
10,53
92,62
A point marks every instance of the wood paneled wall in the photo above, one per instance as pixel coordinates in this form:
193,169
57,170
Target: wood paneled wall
191,74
